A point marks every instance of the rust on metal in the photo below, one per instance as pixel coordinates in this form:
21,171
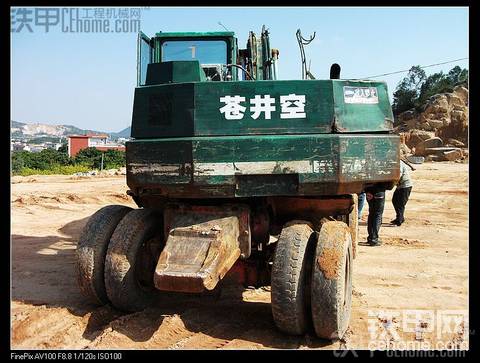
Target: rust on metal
286,206
203,243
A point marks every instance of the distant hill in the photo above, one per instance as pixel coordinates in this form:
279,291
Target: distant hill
36,130
124,133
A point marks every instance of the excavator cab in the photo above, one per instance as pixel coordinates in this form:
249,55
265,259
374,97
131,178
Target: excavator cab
216,53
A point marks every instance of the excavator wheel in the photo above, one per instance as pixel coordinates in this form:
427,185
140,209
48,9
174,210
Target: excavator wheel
331,283
353,225
131,258
92,248
289,277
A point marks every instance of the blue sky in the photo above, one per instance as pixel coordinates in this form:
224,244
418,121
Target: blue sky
88,79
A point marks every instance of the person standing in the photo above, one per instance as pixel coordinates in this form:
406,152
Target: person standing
402,193
376,202
361,203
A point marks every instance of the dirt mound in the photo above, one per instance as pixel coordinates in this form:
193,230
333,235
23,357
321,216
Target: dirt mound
443,117
22,179
403,242
68,198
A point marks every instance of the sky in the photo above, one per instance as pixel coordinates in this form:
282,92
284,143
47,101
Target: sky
88,79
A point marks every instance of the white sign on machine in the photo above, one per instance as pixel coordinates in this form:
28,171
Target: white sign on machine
292,106
365,95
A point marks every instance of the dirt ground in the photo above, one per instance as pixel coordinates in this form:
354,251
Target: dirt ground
422,266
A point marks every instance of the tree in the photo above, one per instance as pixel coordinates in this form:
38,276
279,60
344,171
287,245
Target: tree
18,162
90,156
408,90
457,76
54,157
114,159
416,88
63,148
434,84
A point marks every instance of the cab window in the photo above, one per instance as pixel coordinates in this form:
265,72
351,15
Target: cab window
205,51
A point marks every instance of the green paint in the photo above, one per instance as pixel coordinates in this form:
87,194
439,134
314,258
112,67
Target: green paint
312,137
362,117
194,34
332,159
199,105
174,72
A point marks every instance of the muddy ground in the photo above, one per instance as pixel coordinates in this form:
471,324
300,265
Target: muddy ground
422,266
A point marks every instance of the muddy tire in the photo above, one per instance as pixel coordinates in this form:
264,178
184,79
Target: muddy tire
92,248
353,225
131,259
289,275
331,284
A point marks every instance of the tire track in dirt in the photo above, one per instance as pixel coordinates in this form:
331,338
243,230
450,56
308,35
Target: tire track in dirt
47,330
146,329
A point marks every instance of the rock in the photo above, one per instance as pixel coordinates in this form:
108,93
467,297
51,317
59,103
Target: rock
107,172
437,104
440,152
121,171
422,147
407,115
444,115
455,130
404,150
415,159
435,124
454,101
456,143
412,123
433,158
462,93
458,116
426,126
453,155
408,118
83,174
416,136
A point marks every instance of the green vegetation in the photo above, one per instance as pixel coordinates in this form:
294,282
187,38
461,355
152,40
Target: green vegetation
416,88
93,158
43,139
56,169
51,161
63,148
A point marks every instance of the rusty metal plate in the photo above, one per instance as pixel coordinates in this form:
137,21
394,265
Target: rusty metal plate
203,243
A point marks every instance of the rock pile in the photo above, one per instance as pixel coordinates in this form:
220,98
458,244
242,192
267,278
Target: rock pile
439,131
108,172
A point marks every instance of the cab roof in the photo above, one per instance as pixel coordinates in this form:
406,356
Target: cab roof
194,34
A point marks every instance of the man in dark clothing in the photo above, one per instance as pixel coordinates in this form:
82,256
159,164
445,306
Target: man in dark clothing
376,203
402,193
